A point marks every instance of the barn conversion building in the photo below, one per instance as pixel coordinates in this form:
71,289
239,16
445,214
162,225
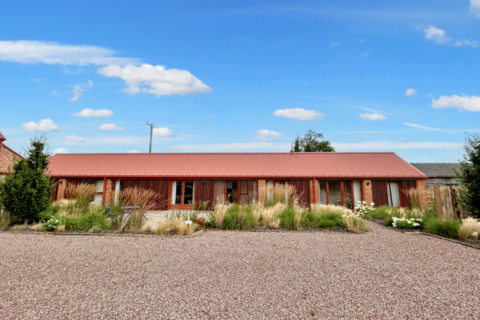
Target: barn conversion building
442,174
7,157
182,178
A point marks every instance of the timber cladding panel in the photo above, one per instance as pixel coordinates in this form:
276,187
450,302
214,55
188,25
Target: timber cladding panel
209,191
406,185
379,193
248,191
156,185
302,188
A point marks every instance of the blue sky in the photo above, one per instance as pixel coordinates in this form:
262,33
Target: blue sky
235,76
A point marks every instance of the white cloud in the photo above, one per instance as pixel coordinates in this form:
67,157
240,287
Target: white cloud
233,147
403,139
110,127
44,125
89,83
475,7
410,92
299,114
75,138
212,116
262,138
87,113
55,94
334,43
163,132
133,151
389,145
414,125
365,55
36,80
77,93
156,80
460,43
57,53
269,133
372,116
437,35
60,150
465,102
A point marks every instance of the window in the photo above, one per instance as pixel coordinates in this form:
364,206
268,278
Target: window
270,191
182,192
357,192
98,196
339,193
393,192
118,188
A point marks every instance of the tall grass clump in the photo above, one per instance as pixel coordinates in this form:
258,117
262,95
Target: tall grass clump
220,210
270,215
415,196
443,227
81,196
354,224
322,208
144,199
163,226
469,228
239,217
96,218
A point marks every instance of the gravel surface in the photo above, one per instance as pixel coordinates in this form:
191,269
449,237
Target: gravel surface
239,275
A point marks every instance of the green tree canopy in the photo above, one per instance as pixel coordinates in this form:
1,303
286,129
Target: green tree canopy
26,190
469,176
311,142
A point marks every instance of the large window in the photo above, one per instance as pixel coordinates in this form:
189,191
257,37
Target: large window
339,193
182,192
393,192
98,196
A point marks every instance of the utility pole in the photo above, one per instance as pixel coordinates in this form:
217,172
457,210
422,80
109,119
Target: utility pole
151,131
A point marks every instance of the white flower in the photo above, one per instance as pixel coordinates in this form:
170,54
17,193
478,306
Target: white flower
419,220
416,224
409,222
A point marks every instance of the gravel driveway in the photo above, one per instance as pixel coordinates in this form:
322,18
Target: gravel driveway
239,275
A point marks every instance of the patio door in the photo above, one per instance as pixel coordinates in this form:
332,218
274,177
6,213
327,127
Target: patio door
340,193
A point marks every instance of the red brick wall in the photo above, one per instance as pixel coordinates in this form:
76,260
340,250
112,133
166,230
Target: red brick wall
315,198
108,191
367,195
422,186
7,159
312,192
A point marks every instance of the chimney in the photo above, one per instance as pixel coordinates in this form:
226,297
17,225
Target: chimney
2,138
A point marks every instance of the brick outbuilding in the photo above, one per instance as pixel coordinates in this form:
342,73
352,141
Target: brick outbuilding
7,157
181,178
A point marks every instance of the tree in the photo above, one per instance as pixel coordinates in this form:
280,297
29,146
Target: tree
469,177
311,142
27,189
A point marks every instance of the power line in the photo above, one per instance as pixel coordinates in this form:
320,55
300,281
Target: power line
151,131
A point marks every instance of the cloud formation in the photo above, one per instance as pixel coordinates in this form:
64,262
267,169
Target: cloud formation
44,125
233,147
163,132
110,127
410,92
414,125
75,138
133,151
56,53
269,133
460,43
77,93
465,102
156,80
89,113
475,7
436,35
372,116
299,114
60,150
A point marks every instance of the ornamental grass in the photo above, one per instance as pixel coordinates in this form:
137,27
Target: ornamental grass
80,196
469,228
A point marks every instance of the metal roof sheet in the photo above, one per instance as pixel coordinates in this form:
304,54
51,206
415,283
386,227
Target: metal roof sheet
346,165
438,170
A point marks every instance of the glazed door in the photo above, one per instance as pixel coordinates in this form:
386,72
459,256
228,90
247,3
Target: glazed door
335,193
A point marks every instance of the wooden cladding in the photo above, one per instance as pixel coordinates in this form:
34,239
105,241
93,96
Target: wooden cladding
379,193
158,186
406,185
204,192
302,188
248,191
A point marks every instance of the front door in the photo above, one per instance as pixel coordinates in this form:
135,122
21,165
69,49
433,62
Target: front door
334,193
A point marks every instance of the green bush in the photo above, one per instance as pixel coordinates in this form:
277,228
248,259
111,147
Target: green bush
379,213
85,222
47,214
443,227
239,218
287,218
311,219
329,220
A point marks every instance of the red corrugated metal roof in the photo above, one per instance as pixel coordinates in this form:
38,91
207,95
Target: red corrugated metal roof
337,164
2,138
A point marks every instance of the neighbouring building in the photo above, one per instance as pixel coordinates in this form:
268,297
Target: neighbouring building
442,174
7,157
181,178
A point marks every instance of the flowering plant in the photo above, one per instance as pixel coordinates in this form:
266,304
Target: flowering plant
364,208
52,223
405,223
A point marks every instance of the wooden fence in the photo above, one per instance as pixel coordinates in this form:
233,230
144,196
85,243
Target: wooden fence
446,202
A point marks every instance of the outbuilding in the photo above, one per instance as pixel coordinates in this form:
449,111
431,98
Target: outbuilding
182,178
8,157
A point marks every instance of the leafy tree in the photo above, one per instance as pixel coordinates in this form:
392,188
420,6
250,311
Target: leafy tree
26,190
312,142
469,176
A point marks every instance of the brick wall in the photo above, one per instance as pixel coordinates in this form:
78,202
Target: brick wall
422,186
262,191
108,191
315,198
367,191
312,193
7,159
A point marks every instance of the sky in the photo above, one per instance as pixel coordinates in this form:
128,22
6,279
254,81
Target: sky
241,76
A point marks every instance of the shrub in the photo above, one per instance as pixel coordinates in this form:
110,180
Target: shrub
329,220
379,213
469,177
363,208
87,221
443,227
52,223
354,223
407,223
270,216
27,189
468,227
239,217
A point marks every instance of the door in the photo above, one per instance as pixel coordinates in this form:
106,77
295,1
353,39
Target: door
334,193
